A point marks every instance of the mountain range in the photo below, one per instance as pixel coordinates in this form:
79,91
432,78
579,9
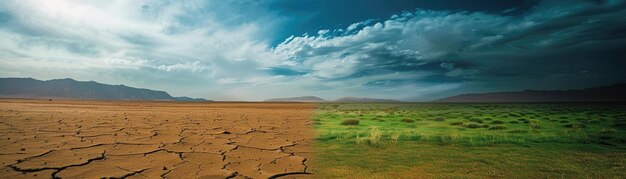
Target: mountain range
612,93
297,99
365,100
71,89
343,99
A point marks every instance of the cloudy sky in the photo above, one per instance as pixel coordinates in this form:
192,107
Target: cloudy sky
252,50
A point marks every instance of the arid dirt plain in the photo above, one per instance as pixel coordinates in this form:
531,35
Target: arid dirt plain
113,139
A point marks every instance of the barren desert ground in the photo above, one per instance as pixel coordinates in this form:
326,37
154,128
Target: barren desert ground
95,139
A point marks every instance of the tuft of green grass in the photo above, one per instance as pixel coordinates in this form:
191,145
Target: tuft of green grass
394,138
438,119
576,125
457,123
477,120
373,139
524,120
350,122
473,125
534,124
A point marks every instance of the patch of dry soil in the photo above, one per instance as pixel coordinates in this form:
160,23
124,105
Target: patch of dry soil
126,139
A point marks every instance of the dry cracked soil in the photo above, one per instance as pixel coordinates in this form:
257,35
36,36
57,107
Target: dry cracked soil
132,139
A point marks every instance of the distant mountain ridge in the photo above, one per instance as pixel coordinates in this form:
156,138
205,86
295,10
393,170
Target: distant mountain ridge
343,99
185,98
612,93
71,89
365,100
297,99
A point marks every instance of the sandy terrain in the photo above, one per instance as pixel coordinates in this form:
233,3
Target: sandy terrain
95,139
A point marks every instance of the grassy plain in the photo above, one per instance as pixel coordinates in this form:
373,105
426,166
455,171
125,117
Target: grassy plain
409,140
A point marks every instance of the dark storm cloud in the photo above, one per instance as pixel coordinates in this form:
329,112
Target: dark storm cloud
308,16
555,44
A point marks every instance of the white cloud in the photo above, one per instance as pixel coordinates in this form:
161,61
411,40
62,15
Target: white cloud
131,37
413,39
192,67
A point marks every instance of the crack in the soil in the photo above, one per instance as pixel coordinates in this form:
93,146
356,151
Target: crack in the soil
289,173
35,156
232,175
131,173
271,149
143,134
101,157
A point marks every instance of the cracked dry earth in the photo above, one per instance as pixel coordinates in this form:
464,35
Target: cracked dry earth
113,139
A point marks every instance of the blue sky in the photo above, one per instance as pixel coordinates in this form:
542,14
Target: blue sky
253,50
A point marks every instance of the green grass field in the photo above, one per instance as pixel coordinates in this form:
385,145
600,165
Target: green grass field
415,140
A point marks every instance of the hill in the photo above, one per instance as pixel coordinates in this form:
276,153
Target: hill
365,100
185,98
612,93
297,99
72,89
